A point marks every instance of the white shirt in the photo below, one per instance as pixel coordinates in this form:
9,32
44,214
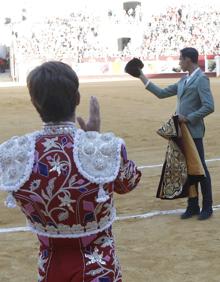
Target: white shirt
189,76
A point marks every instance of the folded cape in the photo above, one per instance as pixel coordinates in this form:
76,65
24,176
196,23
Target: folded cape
182,168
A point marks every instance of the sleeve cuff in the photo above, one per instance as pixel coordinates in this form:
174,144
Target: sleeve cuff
147,83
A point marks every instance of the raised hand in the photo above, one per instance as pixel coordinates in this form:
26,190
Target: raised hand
94,122
134,66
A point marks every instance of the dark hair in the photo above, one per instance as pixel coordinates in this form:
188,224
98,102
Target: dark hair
53,88
191,53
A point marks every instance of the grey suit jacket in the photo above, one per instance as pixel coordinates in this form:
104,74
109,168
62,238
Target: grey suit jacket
194,100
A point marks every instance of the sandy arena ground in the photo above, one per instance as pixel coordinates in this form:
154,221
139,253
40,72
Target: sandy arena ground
159,249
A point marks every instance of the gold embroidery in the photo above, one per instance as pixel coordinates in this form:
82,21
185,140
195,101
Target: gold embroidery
168,130
175,174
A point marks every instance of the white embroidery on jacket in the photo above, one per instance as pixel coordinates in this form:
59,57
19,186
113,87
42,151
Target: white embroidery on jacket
16,161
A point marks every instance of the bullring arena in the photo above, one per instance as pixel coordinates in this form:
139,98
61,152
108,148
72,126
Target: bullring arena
153,244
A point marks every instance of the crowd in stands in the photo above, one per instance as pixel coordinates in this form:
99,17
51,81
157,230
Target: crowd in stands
167,33
57,37
80,36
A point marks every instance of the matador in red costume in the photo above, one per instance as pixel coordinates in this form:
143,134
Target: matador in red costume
63,179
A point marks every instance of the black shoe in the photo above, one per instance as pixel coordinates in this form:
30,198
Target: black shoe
205,214
190,212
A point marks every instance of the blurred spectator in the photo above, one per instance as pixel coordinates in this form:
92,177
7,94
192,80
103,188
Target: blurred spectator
2,65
